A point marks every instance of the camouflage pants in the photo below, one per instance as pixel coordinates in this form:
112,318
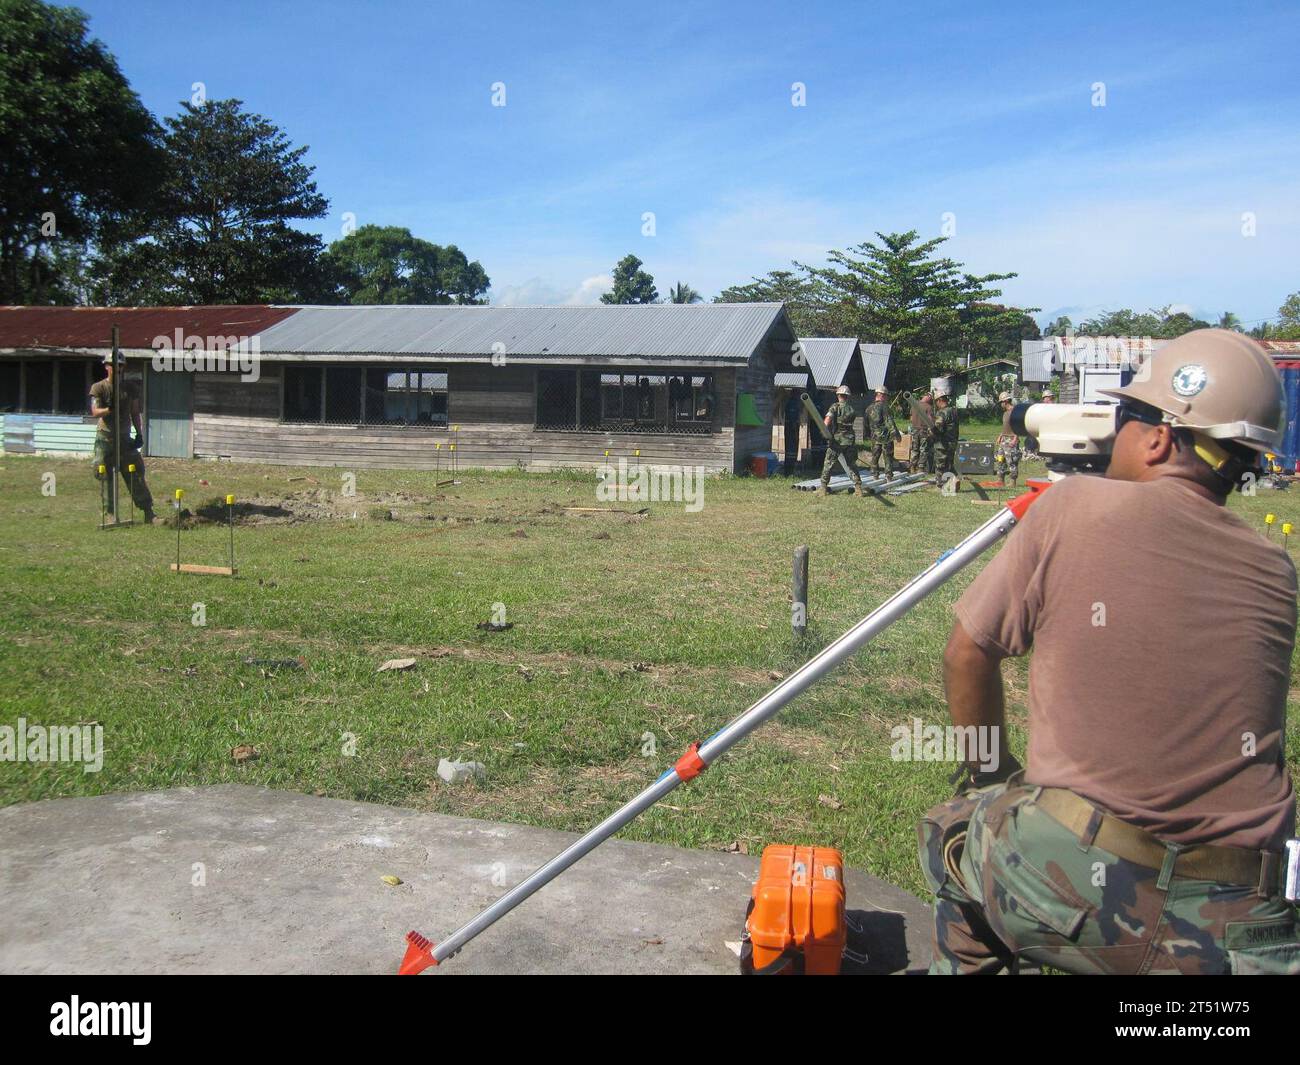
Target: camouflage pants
1022,886
921,453
135,482
882,454
1007,457
832,461
945,457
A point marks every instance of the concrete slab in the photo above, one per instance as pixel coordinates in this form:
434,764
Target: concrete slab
235,879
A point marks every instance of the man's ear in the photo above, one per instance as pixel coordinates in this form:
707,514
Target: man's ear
1159,445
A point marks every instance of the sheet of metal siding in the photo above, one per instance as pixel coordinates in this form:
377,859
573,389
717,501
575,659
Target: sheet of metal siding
875,359
792,380
92,327
724,331
18,432
1036,357
829,358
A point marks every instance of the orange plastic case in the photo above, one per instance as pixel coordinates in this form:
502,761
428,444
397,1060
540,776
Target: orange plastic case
796,917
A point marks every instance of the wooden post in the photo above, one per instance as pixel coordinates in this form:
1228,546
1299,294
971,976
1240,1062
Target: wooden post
799,592
176,503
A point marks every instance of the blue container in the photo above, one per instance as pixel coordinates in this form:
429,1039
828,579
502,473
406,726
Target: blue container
1290,451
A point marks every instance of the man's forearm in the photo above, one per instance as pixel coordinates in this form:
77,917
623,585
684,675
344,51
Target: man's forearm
972,681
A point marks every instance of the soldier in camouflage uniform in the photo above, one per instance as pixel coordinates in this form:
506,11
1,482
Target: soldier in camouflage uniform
840,441
1007,448
921,452
1149,831
945,436
101,406
879,426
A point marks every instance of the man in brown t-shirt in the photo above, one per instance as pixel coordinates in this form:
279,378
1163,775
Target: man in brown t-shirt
1148,831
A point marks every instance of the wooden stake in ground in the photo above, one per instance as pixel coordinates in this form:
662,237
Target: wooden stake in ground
230,516
1268,525
176,504
799,592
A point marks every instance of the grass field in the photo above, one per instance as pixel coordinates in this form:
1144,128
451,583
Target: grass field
631,637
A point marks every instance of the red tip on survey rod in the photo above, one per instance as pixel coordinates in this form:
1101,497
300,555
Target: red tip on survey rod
419,955
1022,503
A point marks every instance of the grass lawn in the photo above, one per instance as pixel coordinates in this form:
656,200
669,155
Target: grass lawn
631,637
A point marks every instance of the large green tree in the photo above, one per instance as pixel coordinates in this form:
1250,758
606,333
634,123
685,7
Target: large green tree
221,228
899,290
796,290
387,264
80,151
631,283
1161,322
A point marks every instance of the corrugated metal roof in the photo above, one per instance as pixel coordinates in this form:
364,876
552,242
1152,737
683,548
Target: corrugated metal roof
829,358
1036,361
723,331
792,380
92,327
875,359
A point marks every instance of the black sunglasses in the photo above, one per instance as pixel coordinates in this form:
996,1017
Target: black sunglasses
1136,412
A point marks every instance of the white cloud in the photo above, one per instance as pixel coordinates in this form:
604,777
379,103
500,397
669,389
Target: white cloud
591,290
539,292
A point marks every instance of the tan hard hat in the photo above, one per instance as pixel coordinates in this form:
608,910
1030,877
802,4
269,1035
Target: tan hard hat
843,390
1005,397
1217,382
1048,392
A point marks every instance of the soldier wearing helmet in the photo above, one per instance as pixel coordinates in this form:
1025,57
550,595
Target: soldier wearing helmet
946,438
106,449
840,440
1149,828
879,425
1006,449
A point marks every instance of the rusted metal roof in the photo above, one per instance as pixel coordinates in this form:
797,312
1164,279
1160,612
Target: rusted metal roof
91,327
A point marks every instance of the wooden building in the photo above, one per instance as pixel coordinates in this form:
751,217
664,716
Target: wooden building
397,386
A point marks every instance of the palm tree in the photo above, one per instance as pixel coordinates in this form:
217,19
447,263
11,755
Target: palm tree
1228,320
683,293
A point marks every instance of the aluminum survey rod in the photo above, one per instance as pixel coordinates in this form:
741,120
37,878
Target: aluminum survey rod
117,425
422,953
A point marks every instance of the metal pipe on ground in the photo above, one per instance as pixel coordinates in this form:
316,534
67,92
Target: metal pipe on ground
422,952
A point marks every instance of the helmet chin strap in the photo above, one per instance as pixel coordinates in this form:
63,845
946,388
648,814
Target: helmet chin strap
1211,453
1222,461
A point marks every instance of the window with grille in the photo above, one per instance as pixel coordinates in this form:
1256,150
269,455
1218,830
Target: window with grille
611,401
372,395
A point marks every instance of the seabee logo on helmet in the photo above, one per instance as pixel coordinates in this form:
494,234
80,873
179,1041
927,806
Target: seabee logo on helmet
1189,380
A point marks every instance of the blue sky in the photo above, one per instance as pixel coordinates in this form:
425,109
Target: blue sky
912,111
